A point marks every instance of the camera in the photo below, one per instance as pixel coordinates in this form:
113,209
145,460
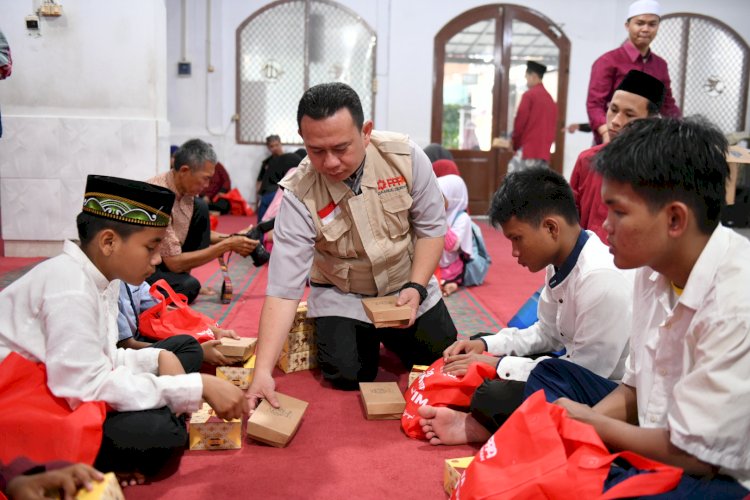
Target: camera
260,255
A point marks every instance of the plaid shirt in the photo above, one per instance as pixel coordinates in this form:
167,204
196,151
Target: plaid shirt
182,212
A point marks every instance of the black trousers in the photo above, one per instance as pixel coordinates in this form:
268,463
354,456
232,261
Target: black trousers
349,350
146,440
494,401
198,238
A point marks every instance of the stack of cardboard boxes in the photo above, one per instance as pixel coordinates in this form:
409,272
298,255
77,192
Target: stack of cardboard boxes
242,353
299,351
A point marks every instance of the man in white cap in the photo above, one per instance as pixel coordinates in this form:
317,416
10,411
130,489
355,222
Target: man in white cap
610,69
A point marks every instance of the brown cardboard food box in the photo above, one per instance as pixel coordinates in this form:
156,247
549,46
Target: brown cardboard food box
209,432
415,372
298,341
276,426
382,400
301,321
452,471
238,350
383,312
241,376
297,361
106,489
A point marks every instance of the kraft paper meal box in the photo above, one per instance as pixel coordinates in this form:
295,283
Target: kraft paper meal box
107,489
209,432
301,321
452,471
415,372
301,340
276,426
383,312
297,361
241,376
738,154
237,349
382,400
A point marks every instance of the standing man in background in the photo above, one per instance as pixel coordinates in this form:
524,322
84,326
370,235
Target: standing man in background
6,65
609,70
534,128
273,143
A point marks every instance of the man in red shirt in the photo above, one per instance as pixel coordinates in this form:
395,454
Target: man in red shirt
609,70
639,95
535,126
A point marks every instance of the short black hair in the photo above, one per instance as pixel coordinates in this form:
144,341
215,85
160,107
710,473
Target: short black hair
532,194
666,159
326,99
194,153
272,138
90,225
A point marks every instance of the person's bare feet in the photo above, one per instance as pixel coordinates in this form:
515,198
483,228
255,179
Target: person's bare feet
130,478
449,427
207,291
449,288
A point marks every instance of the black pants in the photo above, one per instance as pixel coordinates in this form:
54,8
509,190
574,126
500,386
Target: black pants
494,401
146,440
349,350
198,238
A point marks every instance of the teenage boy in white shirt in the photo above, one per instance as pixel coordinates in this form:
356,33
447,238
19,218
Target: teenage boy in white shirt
685,393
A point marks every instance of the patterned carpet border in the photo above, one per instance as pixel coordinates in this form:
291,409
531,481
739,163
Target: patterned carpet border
242,272
469,315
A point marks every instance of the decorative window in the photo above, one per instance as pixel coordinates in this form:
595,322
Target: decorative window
289,46
708,66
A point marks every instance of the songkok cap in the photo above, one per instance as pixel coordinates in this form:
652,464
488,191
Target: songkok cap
645,85
126,200
644,7
173,149
535,67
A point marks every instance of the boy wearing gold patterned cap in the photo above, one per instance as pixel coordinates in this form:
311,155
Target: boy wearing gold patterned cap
63,313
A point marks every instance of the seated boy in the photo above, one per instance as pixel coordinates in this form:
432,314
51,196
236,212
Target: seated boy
584,307
685,394
134,300
63,313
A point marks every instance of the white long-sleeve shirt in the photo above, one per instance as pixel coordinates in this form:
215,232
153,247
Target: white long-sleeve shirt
588,312
63,313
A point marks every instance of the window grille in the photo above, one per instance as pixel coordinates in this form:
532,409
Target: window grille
289,46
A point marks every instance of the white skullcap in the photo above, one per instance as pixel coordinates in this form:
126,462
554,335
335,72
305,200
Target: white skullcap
644,7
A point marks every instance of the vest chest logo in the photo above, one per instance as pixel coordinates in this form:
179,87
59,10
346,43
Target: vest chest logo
328,213
391,184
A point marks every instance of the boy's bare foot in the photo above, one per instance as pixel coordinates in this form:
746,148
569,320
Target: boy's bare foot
449,288
130,478
207,291
449,427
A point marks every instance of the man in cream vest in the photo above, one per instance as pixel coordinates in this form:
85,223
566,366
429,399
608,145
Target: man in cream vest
364,217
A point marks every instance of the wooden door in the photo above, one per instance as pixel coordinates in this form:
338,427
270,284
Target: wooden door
480,61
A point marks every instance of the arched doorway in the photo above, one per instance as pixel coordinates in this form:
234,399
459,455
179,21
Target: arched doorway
480,61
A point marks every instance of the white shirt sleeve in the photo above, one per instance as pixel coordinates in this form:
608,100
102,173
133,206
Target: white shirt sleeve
79,368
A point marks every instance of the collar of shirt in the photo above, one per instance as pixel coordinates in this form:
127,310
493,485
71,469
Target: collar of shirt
75,253
633,53
702,275
354,181
563,271
172,185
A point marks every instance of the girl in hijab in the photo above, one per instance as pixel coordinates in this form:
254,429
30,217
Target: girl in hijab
458,237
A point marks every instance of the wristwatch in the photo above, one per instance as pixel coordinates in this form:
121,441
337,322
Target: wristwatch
419,288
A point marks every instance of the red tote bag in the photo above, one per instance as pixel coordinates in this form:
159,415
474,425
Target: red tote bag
541,453
435,388
37,424
161,322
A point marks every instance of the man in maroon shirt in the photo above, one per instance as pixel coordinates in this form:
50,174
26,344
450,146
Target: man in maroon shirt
609,70
219,183
639,95
535,126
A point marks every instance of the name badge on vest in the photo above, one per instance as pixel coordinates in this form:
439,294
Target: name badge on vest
328,213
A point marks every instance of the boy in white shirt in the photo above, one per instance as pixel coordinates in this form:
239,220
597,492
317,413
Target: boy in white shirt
685,393
584,307
63,313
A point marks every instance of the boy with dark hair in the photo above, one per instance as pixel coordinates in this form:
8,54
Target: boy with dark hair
584,307
684,396
63,313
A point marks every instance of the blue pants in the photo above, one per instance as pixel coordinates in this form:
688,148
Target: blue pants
559,378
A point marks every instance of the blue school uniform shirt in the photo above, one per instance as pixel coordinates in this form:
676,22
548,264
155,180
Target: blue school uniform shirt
139,300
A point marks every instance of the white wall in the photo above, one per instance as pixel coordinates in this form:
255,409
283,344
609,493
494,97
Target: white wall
99,91
87,95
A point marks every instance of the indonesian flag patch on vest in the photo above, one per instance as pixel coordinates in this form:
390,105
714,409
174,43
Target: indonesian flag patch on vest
328,213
